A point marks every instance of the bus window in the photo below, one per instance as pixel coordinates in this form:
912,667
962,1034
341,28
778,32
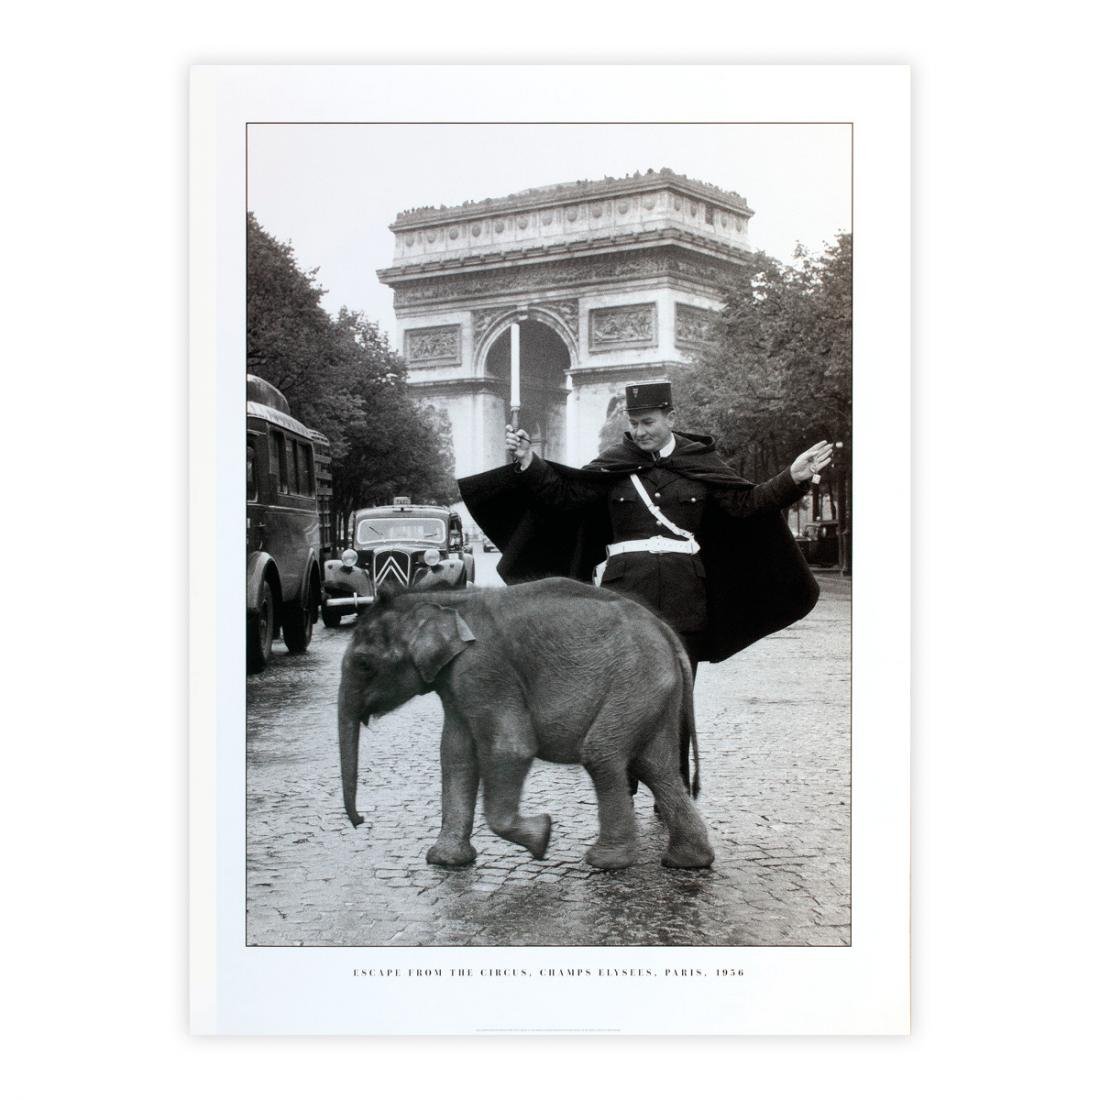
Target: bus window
305,469
250,467
278,461
292,466
295,466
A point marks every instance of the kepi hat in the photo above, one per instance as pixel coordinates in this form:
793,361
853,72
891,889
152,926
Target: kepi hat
648,395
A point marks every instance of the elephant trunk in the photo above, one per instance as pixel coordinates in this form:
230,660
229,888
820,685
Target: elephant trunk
349,755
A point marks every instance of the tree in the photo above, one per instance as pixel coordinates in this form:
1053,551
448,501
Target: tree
287,329
342,377
777,376
389,443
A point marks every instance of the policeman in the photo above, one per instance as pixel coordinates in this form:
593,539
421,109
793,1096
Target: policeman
669,487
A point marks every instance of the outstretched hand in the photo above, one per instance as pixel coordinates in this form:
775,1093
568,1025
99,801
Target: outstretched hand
812,461
518,444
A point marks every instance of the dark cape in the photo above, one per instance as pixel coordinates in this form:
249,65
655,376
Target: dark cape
757,579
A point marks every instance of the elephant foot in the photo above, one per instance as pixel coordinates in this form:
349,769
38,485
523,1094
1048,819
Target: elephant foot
688,856
538,839
608,858
452,853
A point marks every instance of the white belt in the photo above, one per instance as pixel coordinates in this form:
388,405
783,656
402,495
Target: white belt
656,545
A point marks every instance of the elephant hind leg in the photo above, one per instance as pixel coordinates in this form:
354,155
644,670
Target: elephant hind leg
616,845
688,845
503,773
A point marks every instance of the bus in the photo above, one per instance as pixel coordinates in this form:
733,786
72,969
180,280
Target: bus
288,491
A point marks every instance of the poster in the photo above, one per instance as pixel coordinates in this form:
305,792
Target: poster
619,202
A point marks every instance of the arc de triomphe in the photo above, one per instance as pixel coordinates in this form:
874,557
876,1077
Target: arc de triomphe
610,281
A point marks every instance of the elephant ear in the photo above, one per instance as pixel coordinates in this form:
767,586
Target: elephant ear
439,636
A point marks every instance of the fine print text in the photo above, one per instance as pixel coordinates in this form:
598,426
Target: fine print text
547,972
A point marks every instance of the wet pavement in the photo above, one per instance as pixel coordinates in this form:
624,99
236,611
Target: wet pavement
773,728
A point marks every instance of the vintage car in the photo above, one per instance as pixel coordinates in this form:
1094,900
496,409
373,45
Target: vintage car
402,545
819,542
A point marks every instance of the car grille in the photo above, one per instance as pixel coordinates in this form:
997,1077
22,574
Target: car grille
392,568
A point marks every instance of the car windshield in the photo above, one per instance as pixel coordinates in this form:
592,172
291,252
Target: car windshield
400,529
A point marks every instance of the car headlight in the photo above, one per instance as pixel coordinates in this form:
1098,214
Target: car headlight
431,557
349,558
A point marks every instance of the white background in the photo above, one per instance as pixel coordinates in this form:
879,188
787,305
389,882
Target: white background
1004,744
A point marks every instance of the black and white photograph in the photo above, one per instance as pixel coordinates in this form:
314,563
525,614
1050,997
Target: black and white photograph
549,515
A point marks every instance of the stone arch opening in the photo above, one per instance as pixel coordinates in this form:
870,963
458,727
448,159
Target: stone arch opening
544,362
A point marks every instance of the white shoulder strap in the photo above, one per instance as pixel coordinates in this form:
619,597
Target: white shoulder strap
656,512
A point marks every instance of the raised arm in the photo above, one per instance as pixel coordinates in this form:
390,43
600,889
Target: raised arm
781,491
544,482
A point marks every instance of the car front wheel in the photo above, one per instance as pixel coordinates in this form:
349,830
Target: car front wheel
330,616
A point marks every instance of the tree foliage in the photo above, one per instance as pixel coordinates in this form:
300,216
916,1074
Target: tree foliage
288,330
342,377
777,376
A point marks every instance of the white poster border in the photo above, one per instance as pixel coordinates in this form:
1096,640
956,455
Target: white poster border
861,989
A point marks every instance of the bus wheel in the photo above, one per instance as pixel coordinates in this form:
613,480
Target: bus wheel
330,616
260,631
297,627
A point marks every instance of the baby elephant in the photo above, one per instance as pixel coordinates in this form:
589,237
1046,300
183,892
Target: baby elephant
552,669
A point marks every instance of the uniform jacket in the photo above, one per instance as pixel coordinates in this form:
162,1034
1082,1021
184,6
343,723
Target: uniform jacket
554,520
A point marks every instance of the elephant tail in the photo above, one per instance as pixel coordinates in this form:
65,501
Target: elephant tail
687,718
695,753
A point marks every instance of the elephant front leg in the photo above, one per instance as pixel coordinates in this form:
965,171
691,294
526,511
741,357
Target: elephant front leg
460,779
504,770
616,845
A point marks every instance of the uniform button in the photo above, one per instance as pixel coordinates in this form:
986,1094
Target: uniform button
657,495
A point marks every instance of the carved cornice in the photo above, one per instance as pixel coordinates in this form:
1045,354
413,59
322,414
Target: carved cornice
579,191
707,272
589,248
498,387
461,386
625,372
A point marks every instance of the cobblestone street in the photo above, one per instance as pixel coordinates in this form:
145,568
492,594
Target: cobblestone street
774,742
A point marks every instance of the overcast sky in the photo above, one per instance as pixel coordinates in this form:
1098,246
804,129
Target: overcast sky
332,191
